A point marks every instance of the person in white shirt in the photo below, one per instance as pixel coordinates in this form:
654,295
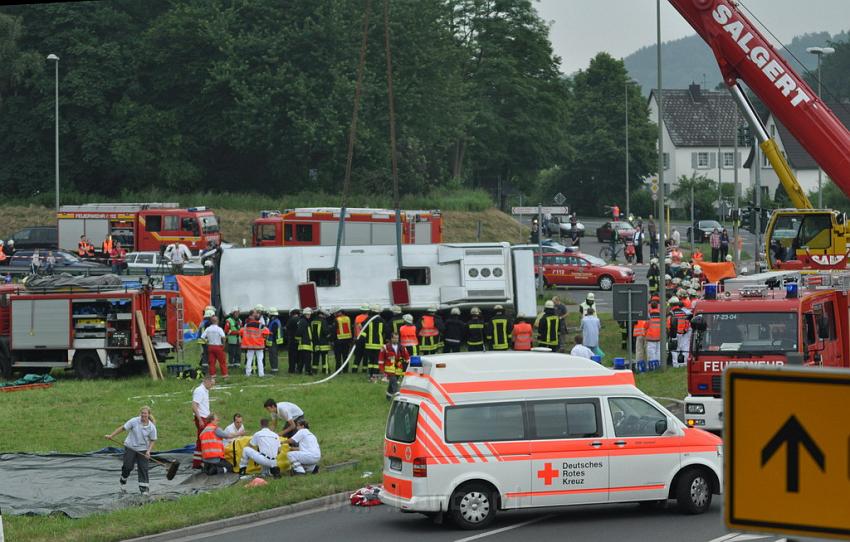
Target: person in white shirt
236,428
290,413
267,445
590,328
304,454
215,337
141,436
200,411
581,350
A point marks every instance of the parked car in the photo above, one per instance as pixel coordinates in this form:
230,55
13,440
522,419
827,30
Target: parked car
36,237
624,229
702,229
561,226
66,262
579,269
139,262
546,249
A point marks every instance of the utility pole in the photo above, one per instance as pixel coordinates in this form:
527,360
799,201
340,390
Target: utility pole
737,212
628,208
758,204
661,219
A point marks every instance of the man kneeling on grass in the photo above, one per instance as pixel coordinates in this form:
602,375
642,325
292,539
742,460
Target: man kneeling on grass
212,447
304,454
268,445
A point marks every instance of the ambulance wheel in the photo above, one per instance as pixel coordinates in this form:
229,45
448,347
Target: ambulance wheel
693,492
606,282
87,365
473,506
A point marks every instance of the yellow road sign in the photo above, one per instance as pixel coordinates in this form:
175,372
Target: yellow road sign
787,438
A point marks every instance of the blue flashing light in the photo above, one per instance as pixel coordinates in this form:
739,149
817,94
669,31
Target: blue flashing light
702,387
791,290
415,361
710,291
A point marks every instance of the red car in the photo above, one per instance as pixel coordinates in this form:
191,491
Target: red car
578,269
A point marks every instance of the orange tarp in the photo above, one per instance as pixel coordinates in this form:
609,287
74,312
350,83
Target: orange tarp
718,271
196,295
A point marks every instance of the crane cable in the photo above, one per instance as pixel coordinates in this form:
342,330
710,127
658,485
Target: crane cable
393,154
352,131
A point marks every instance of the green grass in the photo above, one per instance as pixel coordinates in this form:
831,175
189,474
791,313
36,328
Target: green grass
347,414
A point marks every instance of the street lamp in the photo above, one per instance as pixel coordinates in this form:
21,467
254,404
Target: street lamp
819,52
628,195
55,59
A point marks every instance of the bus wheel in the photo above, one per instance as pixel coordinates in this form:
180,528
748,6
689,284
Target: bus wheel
473,506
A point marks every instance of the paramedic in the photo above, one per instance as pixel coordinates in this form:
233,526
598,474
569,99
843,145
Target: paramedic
141,436
523,334
653,333
407,332
212,447
200,411
581,350
393,360
304,449
590,328
214,337
429,332
267,445
254,341
236,428
289,412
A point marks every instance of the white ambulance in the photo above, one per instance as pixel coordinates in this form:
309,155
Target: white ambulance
473,433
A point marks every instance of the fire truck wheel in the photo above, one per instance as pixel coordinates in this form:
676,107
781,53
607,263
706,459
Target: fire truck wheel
693,492
87,364
473,505
5,360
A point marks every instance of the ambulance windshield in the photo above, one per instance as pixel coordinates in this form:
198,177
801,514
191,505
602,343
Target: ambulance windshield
748,332
401,425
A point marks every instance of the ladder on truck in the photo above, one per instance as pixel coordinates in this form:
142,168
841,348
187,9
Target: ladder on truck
179,342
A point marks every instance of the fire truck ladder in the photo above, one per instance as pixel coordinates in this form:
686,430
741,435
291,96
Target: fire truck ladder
178,313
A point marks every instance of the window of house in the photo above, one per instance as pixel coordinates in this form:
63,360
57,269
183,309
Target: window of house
702,160
153,223
729,160
416,276
666,160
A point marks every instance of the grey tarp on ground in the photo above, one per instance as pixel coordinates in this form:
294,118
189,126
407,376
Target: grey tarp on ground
80,485
66,280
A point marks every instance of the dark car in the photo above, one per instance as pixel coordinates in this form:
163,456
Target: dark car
66,262
702,229
36,237
625,230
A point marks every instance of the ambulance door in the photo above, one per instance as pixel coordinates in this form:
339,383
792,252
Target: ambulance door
642,456
569,456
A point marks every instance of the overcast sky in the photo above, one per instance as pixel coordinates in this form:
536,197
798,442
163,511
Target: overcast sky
582,28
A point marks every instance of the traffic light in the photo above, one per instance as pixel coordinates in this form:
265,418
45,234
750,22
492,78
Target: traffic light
748,219
745,136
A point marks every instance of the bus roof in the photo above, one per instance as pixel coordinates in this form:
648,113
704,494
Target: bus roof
449,378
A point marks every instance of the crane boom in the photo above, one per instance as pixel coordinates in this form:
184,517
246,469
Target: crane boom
744,54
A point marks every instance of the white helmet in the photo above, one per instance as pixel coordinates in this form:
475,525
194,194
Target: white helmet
259,308
408,319
667,277
686,265
728,257
455,311
432,309
498,308
590,297
11,242
653,260
676,280
273,311
396,309
549,304
475,311
234,309
674,300
697,270
681,292
1,242
307,311
364,307
375,308
208,313
668,261
692,292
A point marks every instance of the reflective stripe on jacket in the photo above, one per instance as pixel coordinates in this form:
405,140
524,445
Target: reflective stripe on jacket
343,327
407,335
498,333
653,328
523,335
253,336
547,333
211,445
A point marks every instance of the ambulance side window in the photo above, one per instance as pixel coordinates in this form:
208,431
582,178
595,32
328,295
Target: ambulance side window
564,419
634,417
486,422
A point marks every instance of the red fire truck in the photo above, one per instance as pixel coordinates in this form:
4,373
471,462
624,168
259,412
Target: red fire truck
773,318
138,226
89,331
315,226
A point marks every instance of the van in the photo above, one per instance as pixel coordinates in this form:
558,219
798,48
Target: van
471,434
36,237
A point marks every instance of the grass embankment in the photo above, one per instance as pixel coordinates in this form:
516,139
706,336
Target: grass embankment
347,414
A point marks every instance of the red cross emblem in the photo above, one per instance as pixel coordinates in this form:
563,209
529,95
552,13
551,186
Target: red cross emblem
547,474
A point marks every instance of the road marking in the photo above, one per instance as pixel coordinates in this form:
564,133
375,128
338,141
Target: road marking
738,537
235,528
504,529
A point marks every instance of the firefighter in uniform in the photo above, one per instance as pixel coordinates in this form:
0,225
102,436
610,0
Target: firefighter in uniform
373,334
209,312
475,331
588,303
394,323
653,276
408,335
305,342
274,341
547,327
392,360
429,332
679,328
321,342
232,326
342,338
523,334
454,332
292,339
653,333
498,330
360,340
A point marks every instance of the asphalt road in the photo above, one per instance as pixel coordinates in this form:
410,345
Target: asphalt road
600,523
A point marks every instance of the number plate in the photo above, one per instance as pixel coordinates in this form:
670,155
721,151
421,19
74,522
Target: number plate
395,463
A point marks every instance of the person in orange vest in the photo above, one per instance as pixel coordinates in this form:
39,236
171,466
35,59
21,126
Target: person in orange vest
212,447
408,335
653,333
106,246
360,340
2,252
523,335
429,332
392,361
342,337
254,342
82,247
679,326
639,334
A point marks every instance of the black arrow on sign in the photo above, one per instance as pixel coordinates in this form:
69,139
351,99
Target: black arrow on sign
793,434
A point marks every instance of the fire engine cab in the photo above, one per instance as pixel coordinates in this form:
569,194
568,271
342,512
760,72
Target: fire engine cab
138,226
773,318
314,226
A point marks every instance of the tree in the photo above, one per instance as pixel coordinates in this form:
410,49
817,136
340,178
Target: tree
704,195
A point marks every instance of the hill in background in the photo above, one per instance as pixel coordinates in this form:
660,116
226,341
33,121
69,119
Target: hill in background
690,60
